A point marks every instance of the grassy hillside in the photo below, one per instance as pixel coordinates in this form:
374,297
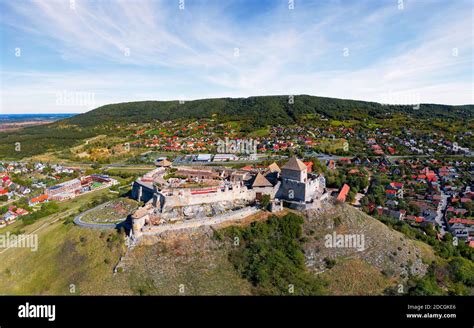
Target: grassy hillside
66,255
388,257
183,264
273,255
270,256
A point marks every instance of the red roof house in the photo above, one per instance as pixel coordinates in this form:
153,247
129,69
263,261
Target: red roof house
343,193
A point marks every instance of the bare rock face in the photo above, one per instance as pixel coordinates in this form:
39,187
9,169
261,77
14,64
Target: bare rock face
197,211
391,252
219,208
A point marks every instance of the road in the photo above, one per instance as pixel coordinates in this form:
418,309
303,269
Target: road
440,212
79,222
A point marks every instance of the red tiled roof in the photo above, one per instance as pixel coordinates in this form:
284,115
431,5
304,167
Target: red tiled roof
39,199
21,211
459,220
397,184
343,194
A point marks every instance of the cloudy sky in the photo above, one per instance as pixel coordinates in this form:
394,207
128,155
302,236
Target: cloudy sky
73,55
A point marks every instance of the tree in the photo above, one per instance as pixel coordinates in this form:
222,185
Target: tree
265,201
462,271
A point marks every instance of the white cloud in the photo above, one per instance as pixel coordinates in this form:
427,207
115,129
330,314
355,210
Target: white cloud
281,51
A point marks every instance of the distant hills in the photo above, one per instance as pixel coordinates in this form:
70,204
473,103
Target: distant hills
252,114
260,111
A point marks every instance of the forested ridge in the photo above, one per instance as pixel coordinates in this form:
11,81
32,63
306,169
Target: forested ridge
260,110
252,113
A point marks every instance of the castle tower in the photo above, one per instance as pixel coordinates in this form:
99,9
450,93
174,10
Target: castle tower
295,169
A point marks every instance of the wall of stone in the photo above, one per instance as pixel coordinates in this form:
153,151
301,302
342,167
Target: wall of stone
191,224
298,188
292,174
186,198
141,193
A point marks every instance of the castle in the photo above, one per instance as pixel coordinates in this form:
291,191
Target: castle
176,195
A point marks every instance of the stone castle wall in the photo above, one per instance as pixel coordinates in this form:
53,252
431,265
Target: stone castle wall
184,197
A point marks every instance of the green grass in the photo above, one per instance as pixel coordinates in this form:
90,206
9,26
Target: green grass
199,265
66,255
260,132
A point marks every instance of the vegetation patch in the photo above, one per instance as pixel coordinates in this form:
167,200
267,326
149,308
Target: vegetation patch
269,255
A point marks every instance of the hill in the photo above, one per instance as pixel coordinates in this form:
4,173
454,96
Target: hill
272,254
284,250
389,257
260,111
252,113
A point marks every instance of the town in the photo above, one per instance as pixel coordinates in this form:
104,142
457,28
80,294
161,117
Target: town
24,185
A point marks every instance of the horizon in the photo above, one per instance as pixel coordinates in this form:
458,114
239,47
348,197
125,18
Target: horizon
74,56
230,97
211,98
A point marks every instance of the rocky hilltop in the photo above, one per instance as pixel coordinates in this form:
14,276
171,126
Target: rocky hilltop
388,255
201,262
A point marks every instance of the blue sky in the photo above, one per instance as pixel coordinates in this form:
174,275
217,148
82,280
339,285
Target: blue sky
106,51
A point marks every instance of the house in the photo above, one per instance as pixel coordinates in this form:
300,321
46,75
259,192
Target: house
309,166
394,190
343,193
331,165
377,150
38,200
163,163
399,215
261,182
391,193
247,168
225,157
415,219
203,158
21,211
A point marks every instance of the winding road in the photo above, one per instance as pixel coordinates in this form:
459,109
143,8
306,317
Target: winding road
78,220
